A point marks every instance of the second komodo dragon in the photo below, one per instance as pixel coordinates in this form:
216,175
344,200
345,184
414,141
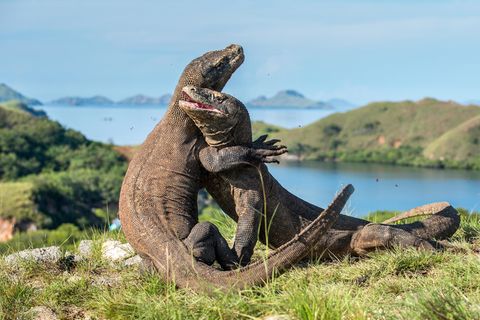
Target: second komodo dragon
158,206
224,122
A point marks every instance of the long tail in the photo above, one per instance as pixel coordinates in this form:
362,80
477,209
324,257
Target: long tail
444,220
172,259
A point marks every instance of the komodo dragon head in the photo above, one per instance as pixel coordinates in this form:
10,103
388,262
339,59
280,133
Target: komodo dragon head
211,70
222,119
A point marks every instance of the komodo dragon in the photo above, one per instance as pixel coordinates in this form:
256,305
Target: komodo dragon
158,206
225,123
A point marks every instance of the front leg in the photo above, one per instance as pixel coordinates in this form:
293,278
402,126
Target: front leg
249,209
217,160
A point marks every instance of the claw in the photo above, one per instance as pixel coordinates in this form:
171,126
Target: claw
271,142
270,160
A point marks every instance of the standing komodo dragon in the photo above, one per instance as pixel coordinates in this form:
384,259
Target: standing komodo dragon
158,206
226,123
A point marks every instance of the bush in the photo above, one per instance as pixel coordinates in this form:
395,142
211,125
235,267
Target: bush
73,196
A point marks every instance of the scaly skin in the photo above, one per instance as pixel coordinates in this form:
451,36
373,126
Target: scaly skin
286,213
158,206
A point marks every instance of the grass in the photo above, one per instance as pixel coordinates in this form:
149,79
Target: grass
396,284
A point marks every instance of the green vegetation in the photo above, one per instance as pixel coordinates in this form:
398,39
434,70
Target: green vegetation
398,284
17,106
427,133
16,201
260,128
50,175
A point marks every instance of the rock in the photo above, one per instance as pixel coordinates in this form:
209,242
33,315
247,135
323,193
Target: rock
39,255
85,248
116,251
133,261
42,313
106,280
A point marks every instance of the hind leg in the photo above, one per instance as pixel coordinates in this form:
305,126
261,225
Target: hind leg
207,245
379,236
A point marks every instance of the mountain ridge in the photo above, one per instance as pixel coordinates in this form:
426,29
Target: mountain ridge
293,99
7,94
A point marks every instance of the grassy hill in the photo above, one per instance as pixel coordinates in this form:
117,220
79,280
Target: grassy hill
459,143
425,133
18,106
50,175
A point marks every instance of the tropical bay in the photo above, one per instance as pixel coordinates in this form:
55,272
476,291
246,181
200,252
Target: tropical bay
379,187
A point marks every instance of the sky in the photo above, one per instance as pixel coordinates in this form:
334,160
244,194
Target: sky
357,50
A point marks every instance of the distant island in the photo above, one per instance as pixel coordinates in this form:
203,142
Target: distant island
81,101
283,99
137,100
294,99
141,99
427,133
8,94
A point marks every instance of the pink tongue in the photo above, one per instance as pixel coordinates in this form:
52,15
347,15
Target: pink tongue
198,105
204,106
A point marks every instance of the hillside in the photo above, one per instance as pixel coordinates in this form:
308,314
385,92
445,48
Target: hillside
427,132
17,106
50,175
459,143
7,94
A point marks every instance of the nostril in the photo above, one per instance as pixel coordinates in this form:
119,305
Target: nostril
236,48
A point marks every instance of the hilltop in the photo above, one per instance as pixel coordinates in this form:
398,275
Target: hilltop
8,94
294,99
428,132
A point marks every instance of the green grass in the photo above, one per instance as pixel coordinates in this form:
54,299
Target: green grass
398,284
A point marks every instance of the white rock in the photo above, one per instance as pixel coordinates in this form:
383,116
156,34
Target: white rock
133,261
116,251
39,255
85,248
42,313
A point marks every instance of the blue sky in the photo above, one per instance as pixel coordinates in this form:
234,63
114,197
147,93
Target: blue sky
358,50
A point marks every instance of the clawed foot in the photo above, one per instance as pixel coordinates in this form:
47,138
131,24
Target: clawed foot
264,150
263,143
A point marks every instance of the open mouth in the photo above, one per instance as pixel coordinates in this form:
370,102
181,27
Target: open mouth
192,104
